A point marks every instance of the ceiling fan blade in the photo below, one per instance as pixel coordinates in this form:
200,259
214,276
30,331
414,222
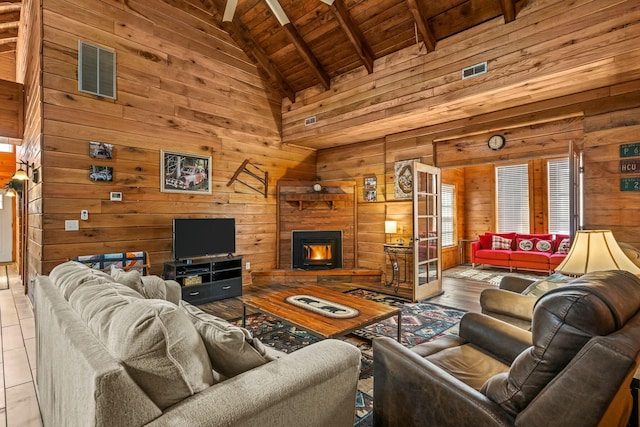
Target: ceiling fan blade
229,10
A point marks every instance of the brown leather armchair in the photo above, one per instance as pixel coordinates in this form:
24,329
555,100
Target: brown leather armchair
574,368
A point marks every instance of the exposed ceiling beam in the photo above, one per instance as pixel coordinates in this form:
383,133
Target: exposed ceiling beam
8,40
352,31
299,43
508,10
245,40
415,6
9,25
10,7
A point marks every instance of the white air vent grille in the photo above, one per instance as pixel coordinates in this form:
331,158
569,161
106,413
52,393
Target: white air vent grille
474,70
310,121
96,70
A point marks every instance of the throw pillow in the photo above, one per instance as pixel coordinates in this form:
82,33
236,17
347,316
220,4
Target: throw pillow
564,246
499,242
130,279
525,244
232,350
543,245
153,339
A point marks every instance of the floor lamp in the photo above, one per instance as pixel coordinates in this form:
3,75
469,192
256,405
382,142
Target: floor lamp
595,250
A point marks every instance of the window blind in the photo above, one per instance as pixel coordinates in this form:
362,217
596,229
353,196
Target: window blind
96,70
447,213
512,199
559,198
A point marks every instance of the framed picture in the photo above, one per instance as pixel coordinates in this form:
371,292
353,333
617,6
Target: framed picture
403,179
185,173
100,150
370,188
100,173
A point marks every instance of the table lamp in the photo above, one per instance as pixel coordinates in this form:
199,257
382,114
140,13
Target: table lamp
595,250
390,227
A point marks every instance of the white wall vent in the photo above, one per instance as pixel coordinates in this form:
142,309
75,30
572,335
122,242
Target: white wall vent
474,70
310,121
96,70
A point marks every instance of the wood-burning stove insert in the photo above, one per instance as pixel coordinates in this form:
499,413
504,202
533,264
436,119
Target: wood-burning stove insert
316,249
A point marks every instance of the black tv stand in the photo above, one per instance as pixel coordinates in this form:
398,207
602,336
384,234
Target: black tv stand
207,279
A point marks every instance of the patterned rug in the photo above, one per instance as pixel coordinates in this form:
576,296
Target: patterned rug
491,275
421,322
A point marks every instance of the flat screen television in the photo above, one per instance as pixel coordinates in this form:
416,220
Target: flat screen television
200,237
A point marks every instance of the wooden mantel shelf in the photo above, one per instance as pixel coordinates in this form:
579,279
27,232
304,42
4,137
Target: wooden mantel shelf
329,198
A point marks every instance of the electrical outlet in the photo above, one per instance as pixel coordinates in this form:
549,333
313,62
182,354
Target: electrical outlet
247,266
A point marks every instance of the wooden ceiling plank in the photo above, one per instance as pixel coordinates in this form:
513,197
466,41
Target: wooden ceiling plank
353,33
508,10
308,56
416,8
10,7
243,37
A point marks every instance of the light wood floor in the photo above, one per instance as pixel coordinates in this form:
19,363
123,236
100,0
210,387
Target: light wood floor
18,403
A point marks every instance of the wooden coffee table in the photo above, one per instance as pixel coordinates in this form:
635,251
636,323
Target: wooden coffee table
274,304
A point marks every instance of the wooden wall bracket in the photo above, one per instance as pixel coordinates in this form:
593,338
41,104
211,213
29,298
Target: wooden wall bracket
254,172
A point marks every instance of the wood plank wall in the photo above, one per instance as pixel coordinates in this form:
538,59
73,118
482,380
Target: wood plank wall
11,109
182,85
554,48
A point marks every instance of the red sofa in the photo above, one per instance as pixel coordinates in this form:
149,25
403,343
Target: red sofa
543,252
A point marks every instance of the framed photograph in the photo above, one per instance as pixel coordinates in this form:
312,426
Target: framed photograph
403,179
185,173
100,150
370,188
100,173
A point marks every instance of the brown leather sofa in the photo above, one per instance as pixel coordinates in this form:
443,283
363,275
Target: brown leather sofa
573,369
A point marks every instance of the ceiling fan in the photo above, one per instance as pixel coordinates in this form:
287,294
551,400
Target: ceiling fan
274,5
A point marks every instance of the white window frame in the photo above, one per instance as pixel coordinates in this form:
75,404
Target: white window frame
447,213
558,196
512,198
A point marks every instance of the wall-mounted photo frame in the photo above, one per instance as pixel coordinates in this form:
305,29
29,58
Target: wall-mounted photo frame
403,179
185,173
100,173
370,188
100,150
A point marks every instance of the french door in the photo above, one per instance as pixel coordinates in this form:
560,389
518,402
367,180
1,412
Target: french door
427,226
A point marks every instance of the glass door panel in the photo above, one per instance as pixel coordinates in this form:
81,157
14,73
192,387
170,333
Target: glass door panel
426,231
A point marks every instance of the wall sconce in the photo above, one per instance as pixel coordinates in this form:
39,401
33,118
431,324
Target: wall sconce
10,192
390,227
21,174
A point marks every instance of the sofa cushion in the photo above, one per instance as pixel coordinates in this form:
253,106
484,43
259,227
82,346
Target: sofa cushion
544,245
70,275
486,239
232,350
156,287
534,236
154,339
563,246
525,245
131,279
500,243
491,254
533,256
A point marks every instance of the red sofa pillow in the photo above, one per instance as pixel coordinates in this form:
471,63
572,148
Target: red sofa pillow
542,245
558,239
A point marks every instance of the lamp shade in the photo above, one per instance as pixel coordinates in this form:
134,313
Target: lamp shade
390,227
20,175
595,250
10,193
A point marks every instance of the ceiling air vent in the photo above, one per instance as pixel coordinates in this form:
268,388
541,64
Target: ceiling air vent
310,121
474,70
96,70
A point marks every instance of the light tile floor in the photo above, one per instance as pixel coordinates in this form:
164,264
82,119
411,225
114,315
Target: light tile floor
18,402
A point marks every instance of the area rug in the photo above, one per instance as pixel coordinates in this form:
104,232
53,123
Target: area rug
491,275
421,322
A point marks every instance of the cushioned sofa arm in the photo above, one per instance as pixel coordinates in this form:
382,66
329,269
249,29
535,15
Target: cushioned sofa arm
507,302
502,340
411,391
319,381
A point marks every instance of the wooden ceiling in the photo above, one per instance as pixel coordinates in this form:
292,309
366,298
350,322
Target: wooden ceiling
9,22
326,38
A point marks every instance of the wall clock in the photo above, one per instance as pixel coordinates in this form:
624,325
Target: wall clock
496,142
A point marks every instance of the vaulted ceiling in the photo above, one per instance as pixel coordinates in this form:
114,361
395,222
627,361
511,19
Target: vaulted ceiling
298,44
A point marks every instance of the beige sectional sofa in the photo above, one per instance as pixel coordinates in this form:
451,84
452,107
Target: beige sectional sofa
123,350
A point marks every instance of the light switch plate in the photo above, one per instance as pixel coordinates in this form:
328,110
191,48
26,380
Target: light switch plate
71,225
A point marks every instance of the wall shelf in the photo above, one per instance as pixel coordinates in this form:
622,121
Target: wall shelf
329,198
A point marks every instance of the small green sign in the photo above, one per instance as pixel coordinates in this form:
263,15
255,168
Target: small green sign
629,184
630,150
